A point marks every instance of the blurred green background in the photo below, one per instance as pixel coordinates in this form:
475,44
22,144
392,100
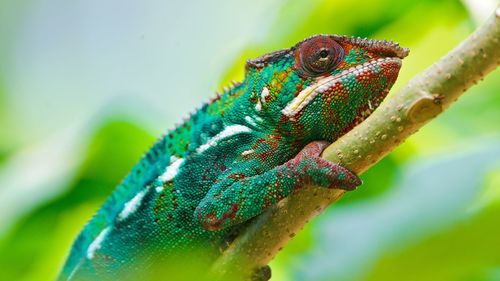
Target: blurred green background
86,86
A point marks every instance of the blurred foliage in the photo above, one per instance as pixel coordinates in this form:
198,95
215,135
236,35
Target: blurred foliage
428,211
3,133
40,240
465,252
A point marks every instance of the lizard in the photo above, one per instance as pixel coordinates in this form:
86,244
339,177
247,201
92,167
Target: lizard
237,155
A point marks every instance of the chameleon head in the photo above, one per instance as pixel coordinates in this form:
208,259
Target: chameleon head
324,85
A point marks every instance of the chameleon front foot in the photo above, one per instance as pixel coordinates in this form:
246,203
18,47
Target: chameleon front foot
232,202
322,172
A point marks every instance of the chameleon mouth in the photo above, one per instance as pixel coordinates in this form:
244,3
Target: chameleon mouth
326,83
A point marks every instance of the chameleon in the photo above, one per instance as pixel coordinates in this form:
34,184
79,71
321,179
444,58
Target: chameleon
237,155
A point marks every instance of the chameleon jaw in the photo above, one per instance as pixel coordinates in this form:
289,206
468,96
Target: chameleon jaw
324,84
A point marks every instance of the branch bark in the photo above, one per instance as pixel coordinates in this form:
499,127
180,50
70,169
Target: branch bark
419,101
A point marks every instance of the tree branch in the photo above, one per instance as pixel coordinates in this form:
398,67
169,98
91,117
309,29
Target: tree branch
422,99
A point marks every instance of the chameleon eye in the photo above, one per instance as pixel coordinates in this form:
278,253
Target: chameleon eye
319,55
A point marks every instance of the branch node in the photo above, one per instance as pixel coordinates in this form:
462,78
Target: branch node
425,108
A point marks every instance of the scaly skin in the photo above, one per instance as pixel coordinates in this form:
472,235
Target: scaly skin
237,155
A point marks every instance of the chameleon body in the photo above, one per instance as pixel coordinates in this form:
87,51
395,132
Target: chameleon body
238,154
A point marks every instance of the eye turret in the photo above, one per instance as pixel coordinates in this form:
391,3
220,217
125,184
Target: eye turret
318,56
